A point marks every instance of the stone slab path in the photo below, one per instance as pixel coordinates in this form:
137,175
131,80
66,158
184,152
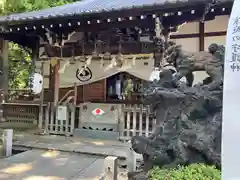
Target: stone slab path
51,165
76,146
82,146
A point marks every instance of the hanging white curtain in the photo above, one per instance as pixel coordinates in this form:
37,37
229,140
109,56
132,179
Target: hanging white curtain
139,68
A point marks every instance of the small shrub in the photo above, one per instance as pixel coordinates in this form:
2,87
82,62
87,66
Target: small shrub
191,172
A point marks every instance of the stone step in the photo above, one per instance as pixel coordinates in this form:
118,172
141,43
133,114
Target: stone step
88,150
96,134
75,145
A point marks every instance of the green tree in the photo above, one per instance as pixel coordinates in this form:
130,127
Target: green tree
19,66
19,58
13,6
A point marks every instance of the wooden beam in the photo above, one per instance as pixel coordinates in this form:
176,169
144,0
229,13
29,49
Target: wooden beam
34,59
201,36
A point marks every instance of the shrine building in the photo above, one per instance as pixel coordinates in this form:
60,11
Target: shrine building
95,56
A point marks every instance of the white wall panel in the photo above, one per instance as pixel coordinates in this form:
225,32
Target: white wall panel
220,23
188,28
189,44
221,40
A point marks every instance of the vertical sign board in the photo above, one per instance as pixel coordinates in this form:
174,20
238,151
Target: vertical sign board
231,99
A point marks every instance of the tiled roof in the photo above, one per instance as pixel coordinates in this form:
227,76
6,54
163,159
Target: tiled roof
97,6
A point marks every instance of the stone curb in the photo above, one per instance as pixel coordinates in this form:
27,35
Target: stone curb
103,154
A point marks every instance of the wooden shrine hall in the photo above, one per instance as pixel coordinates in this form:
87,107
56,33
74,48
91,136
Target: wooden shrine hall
95,57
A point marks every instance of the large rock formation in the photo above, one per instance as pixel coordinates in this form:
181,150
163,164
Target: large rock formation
188,118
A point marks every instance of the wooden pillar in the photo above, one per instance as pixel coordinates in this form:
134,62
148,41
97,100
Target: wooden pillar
41,111
105,89
35,55
74,108
34,59
1,63
2,100
54,81
5,69
201,36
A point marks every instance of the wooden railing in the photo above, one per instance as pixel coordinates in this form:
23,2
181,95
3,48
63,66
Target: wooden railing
135,120
66,96
56,126
53,123
23,95
20,115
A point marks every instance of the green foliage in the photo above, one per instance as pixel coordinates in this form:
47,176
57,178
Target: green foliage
191,172
19,59
20,67
17,6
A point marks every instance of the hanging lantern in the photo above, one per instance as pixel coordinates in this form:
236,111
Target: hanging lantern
36,83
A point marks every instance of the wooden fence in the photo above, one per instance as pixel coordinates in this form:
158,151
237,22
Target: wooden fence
20,115
53,125
135,120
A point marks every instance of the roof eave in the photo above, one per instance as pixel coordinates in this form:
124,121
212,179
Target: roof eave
148,8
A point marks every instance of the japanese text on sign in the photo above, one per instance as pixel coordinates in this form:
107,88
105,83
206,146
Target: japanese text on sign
235,60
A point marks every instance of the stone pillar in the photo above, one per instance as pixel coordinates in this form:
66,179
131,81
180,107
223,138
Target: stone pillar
7,139
131,160
110,168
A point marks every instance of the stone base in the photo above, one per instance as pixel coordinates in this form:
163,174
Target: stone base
96,134
137,176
